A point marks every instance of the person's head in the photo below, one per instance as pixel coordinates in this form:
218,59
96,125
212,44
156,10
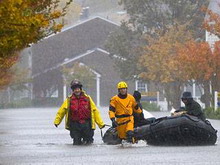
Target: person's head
76,87
186,97
122,88
137,95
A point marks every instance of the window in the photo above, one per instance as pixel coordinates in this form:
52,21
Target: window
141,86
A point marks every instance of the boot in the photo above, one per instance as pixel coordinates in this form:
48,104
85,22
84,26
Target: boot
87,141
77,141
130,137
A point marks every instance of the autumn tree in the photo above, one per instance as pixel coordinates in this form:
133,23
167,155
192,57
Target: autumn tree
198,63
6,74
212,22
153,18
159,66
23,22
212,25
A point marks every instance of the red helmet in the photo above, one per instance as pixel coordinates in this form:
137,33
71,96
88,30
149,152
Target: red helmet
76,84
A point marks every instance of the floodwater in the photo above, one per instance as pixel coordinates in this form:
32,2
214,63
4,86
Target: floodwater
28,136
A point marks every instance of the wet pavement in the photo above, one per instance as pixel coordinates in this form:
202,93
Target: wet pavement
28,136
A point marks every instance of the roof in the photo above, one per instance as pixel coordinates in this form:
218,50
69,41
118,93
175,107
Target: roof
80,56
70,43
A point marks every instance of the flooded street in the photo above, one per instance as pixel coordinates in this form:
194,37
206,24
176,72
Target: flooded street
28,136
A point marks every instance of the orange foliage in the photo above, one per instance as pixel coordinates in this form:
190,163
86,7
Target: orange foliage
5,74
216,56
157,62
174,57
23,22
212,23
196,60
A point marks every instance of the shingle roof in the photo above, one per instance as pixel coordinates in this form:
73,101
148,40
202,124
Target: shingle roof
70,43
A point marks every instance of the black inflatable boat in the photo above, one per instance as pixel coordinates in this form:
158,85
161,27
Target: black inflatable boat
181,130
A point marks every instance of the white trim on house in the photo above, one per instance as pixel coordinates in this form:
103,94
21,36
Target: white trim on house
67,61
71,60
98,76
80,23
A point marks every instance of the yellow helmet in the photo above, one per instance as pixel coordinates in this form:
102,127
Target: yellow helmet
122,84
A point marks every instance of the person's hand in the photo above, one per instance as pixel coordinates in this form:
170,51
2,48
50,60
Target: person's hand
56,125
114,123
179,113
102,126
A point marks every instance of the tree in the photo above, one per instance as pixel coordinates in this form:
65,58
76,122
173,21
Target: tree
80,72
23,22
158,64
212,23
153,18
123,46
198,64
216,67
6,74
150,16
16,79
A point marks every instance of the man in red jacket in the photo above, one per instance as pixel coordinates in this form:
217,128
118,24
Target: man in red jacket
81,115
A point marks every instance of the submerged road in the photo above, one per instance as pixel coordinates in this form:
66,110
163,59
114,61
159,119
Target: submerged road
28,136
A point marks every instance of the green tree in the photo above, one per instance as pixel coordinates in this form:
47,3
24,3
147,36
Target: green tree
123,46
80,72
153,18
150,16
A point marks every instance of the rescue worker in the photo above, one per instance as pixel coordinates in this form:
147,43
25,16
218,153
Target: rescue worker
191,106
139,119
81,114
121,109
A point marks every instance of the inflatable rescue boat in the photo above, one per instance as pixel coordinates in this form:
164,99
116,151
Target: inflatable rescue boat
174,130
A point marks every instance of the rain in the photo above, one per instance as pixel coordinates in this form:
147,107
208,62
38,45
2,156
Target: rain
101,44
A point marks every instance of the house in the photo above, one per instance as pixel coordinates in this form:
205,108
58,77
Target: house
82,43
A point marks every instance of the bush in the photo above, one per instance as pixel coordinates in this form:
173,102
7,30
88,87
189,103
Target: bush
150,106
27,102
22,103
46,102
211,113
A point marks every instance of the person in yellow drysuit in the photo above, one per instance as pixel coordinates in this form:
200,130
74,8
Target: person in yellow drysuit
121,111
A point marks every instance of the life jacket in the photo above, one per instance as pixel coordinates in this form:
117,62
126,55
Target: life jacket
80,108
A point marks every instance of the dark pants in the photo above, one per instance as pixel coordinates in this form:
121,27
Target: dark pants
81,132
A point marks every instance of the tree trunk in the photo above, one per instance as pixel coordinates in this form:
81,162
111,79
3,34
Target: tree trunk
206,98
173,94
215,87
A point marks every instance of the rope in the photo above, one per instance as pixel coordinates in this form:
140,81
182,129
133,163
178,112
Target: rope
101,130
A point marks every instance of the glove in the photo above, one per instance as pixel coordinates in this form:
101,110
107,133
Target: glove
102,126
114,123
56,125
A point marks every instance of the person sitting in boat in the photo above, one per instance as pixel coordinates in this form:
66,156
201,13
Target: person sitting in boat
139,119
191,106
